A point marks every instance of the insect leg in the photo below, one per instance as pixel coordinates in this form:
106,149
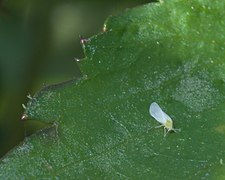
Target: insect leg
168,130
165,132
176,130
159,126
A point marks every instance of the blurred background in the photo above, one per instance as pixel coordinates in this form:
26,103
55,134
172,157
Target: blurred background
39,40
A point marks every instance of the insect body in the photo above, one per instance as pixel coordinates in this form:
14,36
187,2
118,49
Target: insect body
160,116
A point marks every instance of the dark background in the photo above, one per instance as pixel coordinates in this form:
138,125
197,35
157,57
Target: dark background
39,40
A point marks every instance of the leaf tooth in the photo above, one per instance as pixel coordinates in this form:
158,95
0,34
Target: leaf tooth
24,107
24,117
76,59
104,29
29,97
83,40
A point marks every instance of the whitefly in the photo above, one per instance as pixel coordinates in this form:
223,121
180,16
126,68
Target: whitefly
160,116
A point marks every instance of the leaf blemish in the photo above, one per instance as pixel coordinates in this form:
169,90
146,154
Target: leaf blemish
220,129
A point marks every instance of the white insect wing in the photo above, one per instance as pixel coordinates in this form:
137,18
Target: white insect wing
157,113
166,116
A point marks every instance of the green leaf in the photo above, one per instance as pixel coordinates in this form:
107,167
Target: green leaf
171,53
